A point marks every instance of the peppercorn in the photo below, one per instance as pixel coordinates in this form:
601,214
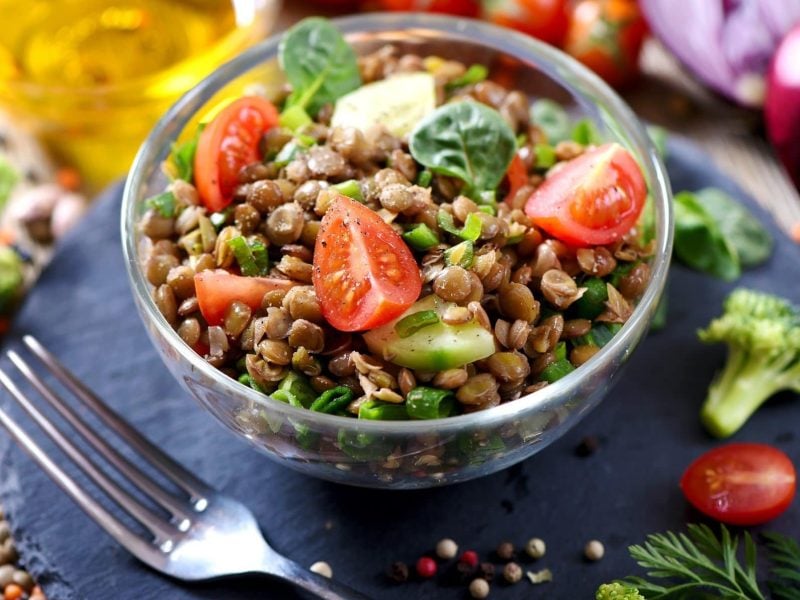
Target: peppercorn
588,446
446,549
398,572
469,557
505,551
594,550
512,572
479,588
535,548
321,568
426,567
486,571
464,572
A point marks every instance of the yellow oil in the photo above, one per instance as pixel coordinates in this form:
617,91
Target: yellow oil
92,76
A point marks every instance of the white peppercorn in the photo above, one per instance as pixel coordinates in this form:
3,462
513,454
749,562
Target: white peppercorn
446,549
479,588
535,548
594,550
322,568
512,572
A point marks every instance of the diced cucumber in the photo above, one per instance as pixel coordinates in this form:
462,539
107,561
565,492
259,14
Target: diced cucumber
433,348
398,103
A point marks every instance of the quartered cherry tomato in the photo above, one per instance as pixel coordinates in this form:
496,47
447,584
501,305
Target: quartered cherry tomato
741,484
364,274
227,144
543,19
593,199
607,36
216,290
462,8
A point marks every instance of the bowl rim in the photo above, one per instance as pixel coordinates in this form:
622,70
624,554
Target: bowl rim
498,38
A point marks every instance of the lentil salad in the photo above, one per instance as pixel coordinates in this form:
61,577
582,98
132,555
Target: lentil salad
491,300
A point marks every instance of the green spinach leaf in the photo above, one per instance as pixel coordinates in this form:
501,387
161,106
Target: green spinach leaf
742,229
467,140
552,119
319,64
699,241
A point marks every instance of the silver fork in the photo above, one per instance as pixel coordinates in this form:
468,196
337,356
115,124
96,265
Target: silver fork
196,534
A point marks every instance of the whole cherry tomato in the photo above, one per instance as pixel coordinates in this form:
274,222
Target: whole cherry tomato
543,19
461,8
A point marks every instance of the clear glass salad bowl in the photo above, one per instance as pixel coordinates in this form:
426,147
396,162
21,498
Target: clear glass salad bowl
406,454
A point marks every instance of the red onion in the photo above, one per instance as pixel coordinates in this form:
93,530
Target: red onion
726,43
782,106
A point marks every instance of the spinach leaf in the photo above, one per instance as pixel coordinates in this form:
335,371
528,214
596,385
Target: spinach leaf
585,132
742,229
699,241
552,119
467,140
319,64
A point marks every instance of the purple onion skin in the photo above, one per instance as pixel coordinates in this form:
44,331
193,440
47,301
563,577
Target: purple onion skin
727,44
782,105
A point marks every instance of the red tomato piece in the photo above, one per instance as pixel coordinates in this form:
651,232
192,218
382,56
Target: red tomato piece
607,36
543,19
593,199
216,290
517,176
364,274
741,484
462,8
229,143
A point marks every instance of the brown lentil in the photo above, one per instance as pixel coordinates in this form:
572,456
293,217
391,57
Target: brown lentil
285,224
189,331
307,334
634,283
560,289
517,302
450,379
575,328
453,284
580,354
164,298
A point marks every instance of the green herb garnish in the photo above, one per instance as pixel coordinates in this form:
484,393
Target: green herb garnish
421,237
164,204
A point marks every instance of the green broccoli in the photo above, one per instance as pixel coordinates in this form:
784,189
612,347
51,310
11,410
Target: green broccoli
763,336
617,591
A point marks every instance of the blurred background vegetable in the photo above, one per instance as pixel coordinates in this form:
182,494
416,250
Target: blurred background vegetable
782,105
546,20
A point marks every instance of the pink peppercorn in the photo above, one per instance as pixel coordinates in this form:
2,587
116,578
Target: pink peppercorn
469,557
426,567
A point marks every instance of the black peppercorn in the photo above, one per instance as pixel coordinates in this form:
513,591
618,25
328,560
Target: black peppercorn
505,551
486,571
398,572
588,446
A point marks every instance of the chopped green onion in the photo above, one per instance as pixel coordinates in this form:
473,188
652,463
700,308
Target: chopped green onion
245,379
516,233
429,403
294,118
421,237
545,156
474,74
349,188
424,178
460,255
412,323
297,386
522,139
561,350
163,204
471,230
556,370
252,258
361,445
334,400
306,141
288,153
593,301
552,119
382,411
219,219
489,209
585,132
603,332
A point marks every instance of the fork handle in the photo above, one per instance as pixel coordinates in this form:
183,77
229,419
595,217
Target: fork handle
322,587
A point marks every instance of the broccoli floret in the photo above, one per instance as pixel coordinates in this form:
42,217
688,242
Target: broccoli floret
762,332
617,591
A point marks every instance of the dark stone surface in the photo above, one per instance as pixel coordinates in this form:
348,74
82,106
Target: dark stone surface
648,429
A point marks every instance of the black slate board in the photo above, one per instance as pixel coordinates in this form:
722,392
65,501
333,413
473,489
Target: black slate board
82,309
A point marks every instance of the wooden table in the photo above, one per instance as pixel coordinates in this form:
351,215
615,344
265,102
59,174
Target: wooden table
667,96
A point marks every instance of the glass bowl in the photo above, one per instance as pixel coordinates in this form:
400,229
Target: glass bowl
406,454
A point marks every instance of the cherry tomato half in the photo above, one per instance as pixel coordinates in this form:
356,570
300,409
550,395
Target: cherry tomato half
461,8
740,484
364,274
593,199
543,19
216,290
607,36
227,144
516,176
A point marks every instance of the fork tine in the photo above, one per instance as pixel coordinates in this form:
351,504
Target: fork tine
126,467
113,526
195,487
158,526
